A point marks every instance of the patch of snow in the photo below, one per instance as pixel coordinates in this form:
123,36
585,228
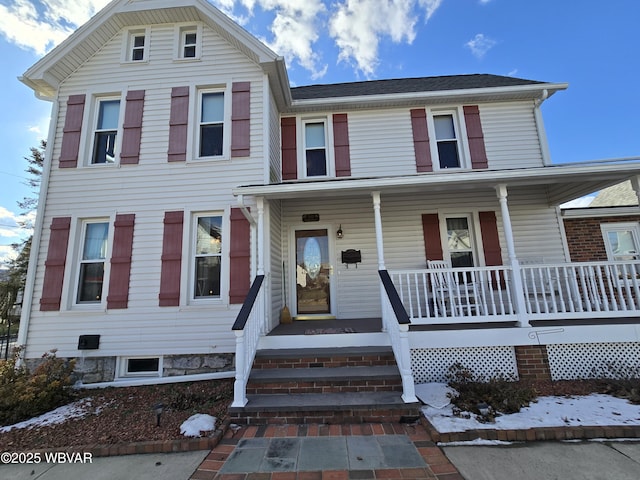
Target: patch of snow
436,395
589,410
477,441
59,415
195,424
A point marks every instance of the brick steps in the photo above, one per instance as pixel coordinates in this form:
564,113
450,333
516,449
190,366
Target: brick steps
297,386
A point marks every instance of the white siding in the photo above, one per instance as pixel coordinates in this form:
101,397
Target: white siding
148,190
381,143
510,135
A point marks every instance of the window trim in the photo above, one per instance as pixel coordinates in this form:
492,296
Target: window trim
93,129
179,41
464,155
608,227
79,243
189,252
226,123
128,45
302,149
123,367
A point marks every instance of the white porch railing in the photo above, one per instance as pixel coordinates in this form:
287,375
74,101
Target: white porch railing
396,323
248,326
551,291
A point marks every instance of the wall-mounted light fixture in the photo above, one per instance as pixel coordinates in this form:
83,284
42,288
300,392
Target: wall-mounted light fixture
339,233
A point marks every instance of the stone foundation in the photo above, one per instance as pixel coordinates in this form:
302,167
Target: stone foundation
177,365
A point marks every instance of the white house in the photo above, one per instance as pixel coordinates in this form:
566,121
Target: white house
182,168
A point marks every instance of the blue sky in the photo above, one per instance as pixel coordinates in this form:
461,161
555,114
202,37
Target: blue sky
592,45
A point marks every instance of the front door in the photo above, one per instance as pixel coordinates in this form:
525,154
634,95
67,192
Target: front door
313,273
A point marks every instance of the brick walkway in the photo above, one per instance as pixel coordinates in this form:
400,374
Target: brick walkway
437,465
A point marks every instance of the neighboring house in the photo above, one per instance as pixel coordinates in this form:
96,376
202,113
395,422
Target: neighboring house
607,229
182,168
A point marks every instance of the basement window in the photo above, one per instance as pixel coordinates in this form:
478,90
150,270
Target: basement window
140,367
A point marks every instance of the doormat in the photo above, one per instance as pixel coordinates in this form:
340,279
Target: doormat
325,331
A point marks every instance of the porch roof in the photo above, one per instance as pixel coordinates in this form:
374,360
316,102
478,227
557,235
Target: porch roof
564,182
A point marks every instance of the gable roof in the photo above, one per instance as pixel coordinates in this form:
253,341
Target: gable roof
46,74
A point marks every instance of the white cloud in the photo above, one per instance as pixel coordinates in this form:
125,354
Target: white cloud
39,26
480,45
357,27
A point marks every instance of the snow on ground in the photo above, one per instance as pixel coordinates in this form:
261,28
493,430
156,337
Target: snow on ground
590,410
195,424
61,414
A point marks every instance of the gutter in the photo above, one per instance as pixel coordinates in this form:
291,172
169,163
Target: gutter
245,211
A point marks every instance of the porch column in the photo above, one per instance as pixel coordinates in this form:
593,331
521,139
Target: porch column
518,290
260,235
378,220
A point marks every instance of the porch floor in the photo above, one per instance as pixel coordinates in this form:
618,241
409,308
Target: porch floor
336,326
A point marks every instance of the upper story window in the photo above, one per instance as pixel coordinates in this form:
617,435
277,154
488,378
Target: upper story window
447,141
137,45
621,240
211,124
315,149
91,270
106,131
207,261
188,42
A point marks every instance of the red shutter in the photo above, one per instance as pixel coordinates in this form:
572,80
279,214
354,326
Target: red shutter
54,266
121,261
71,133
421,140
171,259
490,238
132,128
178,124
239,257
289,148
341,145
240,119
475,136
431,233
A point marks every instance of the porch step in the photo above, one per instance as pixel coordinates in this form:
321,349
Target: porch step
329,385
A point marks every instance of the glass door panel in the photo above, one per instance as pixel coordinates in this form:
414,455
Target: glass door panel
313,272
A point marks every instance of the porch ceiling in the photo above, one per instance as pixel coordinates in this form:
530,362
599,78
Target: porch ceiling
564,182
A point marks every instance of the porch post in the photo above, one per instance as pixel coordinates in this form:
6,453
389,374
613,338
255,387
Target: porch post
260,235
521,308
378,220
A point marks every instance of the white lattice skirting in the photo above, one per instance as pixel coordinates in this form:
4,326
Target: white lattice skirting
432,364
594,360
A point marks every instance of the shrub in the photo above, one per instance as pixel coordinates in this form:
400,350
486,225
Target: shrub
25,394
619,380
501,394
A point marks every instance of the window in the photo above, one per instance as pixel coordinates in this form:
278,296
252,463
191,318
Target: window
621,241
140,367
136,47
92,262
106,131
446,140
211,131
315,149
459,241
208,257
188,42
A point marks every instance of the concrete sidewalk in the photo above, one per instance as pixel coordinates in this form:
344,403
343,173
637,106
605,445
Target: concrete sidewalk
358,452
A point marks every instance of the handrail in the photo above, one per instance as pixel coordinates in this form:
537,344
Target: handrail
247,306
398,331
396,303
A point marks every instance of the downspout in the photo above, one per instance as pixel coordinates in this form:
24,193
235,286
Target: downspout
542,135
27,299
